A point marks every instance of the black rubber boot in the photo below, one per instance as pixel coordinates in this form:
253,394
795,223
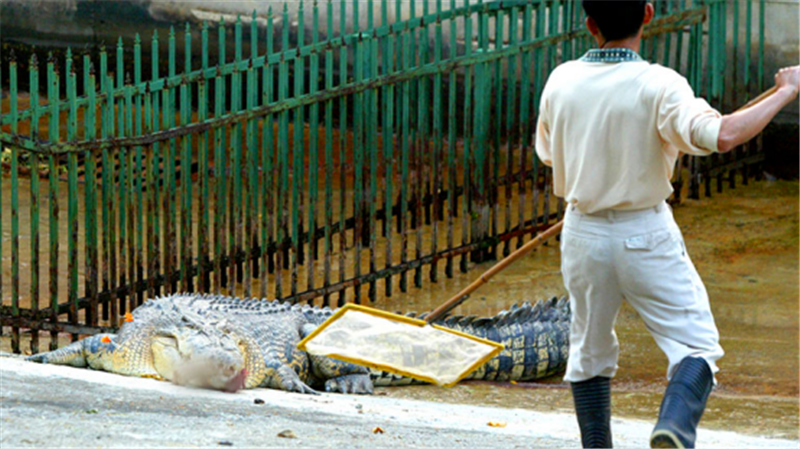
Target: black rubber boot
593,407
683,404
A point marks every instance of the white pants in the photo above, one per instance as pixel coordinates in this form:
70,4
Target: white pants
638,256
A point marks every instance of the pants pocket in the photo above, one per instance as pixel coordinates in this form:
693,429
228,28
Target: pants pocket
648,242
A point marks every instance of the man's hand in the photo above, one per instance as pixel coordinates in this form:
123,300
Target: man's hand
788,79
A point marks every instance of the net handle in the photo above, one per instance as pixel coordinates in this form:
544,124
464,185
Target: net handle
463,295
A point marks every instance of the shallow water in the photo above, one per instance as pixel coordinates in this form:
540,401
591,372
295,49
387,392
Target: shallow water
745,245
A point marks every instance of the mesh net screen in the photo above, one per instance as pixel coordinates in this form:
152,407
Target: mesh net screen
425,352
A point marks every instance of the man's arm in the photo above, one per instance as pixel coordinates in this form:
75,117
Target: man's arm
741,126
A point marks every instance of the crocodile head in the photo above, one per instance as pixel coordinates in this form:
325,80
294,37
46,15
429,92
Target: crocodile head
200,355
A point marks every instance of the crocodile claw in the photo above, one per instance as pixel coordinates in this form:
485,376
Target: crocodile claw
298,386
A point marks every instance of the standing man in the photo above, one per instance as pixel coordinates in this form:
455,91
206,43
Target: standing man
612,126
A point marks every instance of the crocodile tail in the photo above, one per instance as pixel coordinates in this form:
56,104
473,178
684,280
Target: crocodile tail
535,337
536,340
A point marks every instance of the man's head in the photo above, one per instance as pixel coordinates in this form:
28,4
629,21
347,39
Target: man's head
613,20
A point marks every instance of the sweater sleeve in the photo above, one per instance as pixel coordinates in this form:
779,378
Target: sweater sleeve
686,122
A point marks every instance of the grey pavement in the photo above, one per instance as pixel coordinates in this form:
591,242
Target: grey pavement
56,406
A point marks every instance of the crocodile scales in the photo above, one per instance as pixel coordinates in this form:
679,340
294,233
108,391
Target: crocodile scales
227,343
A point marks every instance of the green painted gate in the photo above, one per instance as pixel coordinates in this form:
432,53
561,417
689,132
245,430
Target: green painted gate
336,168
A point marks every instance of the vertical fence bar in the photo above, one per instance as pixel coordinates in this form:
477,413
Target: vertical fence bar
524,121
511,127
156,170
151,208
538,56
171,196
110,203
329,168
72,170
466,172
426,156
438,143
421,147
267,211
358,155
414,178
388,146
342,152
15,262
298,153
313,150
249,171
168,186
496,120
90,202
127,191
167,199
235,180
186,193
404,128
219,175
203,99
186,170
33,162
253,152
372,115
53,167
452,173
108,299
282,166
139,170
122,192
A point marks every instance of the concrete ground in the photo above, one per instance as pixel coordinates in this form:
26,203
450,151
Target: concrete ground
56,406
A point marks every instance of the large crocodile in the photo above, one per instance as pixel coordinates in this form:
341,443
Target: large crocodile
227,344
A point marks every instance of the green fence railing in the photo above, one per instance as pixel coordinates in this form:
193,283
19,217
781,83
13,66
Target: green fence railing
372,156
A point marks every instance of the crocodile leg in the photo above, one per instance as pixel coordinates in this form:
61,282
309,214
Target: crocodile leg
350,384
282,377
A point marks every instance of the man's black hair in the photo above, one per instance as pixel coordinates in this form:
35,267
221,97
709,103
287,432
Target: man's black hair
617,19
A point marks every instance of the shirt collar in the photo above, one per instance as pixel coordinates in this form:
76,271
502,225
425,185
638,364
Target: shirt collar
611,55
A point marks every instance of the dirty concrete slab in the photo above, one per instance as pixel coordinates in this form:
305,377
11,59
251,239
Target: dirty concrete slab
44,405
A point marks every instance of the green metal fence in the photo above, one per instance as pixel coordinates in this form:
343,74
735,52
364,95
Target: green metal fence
338,168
